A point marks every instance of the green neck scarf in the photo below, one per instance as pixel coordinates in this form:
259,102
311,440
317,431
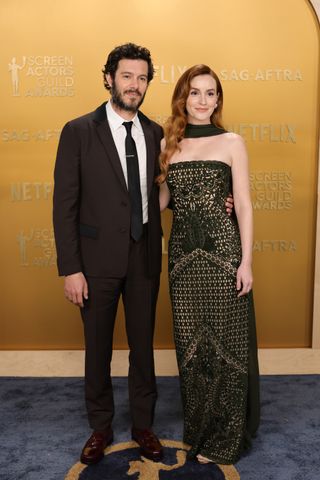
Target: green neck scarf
195,131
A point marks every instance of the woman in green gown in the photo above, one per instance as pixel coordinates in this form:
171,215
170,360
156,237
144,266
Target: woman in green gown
210,274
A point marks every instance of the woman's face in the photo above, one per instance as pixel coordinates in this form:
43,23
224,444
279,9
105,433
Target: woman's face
202,99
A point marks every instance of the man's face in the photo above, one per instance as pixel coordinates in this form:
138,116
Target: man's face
129,85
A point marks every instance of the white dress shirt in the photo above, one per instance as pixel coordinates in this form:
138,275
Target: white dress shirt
119,134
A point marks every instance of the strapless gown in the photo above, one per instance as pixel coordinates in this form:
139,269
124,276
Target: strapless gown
214,329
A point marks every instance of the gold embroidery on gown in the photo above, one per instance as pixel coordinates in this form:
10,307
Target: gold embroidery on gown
211,323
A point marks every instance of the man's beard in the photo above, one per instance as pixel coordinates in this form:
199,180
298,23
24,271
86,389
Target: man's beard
117,99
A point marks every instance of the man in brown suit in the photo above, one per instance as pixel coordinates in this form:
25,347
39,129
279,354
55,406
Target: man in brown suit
108,239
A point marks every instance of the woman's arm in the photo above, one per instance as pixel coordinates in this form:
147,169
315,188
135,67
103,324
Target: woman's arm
164,196
243,210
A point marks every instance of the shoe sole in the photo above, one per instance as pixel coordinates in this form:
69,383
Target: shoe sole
91,462
150,457
154,458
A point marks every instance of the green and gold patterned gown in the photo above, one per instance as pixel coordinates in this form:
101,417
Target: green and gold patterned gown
214,329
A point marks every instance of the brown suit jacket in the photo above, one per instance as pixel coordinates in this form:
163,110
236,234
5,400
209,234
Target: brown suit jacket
91,207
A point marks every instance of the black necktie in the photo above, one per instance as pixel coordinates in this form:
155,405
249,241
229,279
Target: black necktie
133,184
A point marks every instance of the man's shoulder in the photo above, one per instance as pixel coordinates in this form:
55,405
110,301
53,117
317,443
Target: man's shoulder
82,120
99,114
155,126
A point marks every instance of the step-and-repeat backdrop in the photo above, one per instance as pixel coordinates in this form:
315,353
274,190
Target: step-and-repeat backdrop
266,54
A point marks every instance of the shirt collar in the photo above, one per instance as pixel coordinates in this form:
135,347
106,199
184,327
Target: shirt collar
116,121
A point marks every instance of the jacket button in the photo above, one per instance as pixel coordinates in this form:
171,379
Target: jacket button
123,204
123,230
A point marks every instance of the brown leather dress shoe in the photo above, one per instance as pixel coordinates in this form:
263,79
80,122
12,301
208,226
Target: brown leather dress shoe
93,451
150,447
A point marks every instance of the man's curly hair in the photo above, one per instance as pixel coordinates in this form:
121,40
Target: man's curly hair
129,51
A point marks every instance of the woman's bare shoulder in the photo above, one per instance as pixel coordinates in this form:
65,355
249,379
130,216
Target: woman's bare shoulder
233,137
235,142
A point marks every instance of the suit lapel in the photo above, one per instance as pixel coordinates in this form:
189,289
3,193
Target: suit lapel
105,135
150,147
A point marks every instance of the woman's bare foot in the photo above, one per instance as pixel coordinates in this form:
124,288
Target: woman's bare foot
202,459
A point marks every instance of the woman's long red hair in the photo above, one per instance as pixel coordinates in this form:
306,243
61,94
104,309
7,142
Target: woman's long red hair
175,125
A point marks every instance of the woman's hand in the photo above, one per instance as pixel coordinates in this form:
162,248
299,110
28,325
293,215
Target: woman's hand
244,279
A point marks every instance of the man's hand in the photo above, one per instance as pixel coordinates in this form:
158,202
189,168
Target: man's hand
229,204
76,288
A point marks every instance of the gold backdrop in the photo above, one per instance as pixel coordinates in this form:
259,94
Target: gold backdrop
266,54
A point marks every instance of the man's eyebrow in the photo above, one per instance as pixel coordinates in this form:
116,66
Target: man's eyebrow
131,73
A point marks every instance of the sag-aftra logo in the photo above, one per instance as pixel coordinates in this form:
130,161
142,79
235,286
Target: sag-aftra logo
123,462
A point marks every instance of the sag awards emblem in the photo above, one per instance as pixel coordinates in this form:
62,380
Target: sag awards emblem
42,76
37,247
123,461
14,69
